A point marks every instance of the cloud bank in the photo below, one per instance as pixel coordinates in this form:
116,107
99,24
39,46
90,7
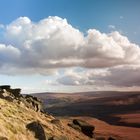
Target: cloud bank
120,76
52,43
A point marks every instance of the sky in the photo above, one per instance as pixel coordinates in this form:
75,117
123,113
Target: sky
70,45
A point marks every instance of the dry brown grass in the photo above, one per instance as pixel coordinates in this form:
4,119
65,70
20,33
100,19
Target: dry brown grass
14,117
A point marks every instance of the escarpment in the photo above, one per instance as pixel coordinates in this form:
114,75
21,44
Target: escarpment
14,95
22,118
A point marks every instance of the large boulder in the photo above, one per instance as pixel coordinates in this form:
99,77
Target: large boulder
57,122
37,128
83,126
86,128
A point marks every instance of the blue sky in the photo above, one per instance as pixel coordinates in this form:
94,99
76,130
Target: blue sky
83,14
103,15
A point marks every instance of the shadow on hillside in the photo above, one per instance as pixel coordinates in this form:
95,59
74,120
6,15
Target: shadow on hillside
102,112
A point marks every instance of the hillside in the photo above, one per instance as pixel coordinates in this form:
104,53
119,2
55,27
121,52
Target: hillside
21,118
117,108
112,113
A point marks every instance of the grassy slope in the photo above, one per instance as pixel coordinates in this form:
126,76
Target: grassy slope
14,117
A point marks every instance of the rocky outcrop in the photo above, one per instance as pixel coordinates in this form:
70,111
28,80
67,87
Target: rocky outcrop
83,126
16,92
34,102
5,87
6,92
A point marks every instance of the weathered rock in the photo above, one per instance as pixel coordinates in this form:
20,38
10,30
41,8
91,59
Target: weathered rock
16,92
15,95
56,121
6,87
111,138
5,94
76,127
37,128
34,101
86,128
9,98
5,91
28,96
34,98
83,126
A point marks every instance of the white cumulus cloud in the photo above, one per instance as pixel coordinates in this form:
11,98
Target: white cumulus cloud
53,43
